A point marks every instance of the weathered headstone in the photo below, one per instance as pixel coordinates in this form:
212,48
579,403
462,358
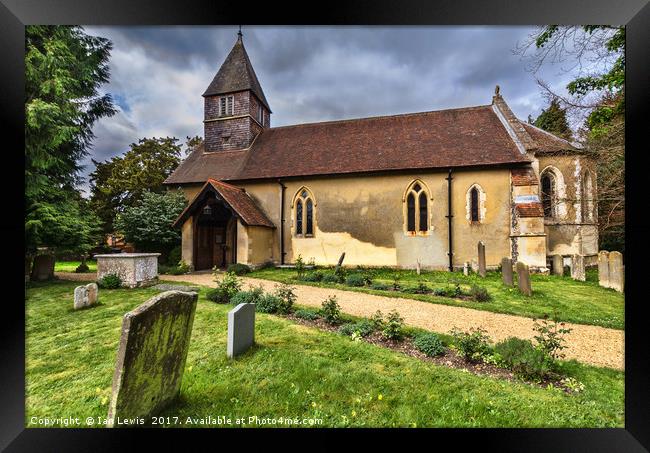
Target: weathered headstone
417,267
558,265
506,271
616,271
241,329
151,356
481,258
85,296
340,263
42,267
466,268
171,287
578,267
523,279
603,269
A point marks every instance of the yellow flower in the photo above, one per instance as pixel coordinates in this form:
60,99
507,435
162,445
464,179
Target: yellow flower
380,397
313,404
189,369
104,400
354,413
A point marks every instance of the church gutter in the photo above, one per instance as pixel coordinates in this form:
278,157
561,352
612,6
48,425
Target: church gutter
449,221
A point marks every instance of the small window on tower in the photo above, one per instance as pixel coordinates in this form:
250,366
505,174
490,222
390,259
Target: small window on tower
231,101
222,106
260,114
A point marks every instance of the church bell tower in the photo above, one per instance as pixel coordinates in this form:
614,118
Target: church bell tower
235,108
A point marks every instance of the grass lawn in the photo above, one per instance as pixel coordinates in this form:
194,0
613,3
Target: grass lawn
70,266
293,371
573,301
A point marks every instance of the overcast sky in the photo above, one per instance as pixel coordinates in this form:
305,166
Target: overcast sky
311,74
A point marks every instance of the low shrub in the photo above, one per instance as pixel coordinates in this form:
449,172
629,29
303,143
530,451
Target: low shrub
314,276
300,266
238,268
331,278
380,286
331,310
355,280
480,293
440,292
180,269
377,320
472,345
82,268
175,255
362,328
252,296
524,359
396,280
268,303
393,327
109,281
287,296
163,269
422,288
226,288
550,336
306,314
429,344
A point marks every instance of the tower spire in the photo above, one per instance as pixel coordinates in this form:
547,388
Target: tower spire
239,34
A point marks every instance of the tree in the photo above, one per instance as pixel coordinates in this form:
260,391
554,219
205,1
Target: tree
553,120
148,224
120,182
596,102
64,69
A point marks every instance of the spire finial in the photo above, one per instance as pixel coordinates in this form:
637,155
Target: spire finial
496,90
239,34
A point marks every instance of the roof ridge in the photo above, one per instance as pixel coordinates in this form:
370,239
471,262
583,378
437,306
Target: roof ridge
547,133
225,184
474,107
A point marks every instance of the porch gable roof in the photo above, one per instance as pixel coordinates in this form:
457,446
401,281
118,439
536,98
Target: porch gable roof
236,198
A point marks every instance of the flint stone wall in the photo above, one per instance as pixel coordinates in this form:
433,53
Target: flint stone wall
135,269
151,356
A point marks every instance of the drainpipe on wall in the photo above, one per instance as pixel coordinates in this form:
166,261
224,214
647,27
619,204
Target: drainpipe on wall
282,252
449,221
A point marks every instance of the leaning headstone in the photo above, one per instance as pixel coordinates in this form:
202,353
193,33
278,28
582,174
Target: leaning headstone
339,264
603,268
558,265
616,271
481,258
151,356
465,268
85,296
578,267
506,271
523,279
241,329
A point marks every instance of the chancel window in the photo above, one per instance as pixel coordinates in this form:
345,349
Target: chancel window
417,209
475,204
304,213
548,195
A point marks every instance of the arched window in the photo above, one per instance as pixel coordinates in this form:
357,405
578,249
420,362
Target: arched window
417,208
475,204
549,196
304,213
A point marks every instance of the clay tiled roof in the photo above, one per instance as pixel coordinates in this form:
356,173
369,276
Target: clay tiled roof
547,142
523,176
236,74
465,137
530,209
240,202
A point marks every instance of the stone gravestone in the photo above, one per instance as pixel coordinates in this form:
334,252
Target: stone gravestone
339,264
558,265
241,329
578,267
85,296
42,268
603,269
523,279
481,258
506,271
151,356
616,271
465,268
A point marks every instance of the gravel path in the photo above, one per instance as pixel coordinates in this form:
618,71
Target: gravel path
589,344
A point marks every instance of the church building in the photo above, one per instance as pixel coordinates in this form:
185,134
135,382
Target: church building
393,190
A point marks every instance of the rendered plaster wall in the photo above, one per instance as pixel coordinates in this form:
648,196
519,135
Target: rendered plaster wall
260,244
364,216
187,242
572,231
